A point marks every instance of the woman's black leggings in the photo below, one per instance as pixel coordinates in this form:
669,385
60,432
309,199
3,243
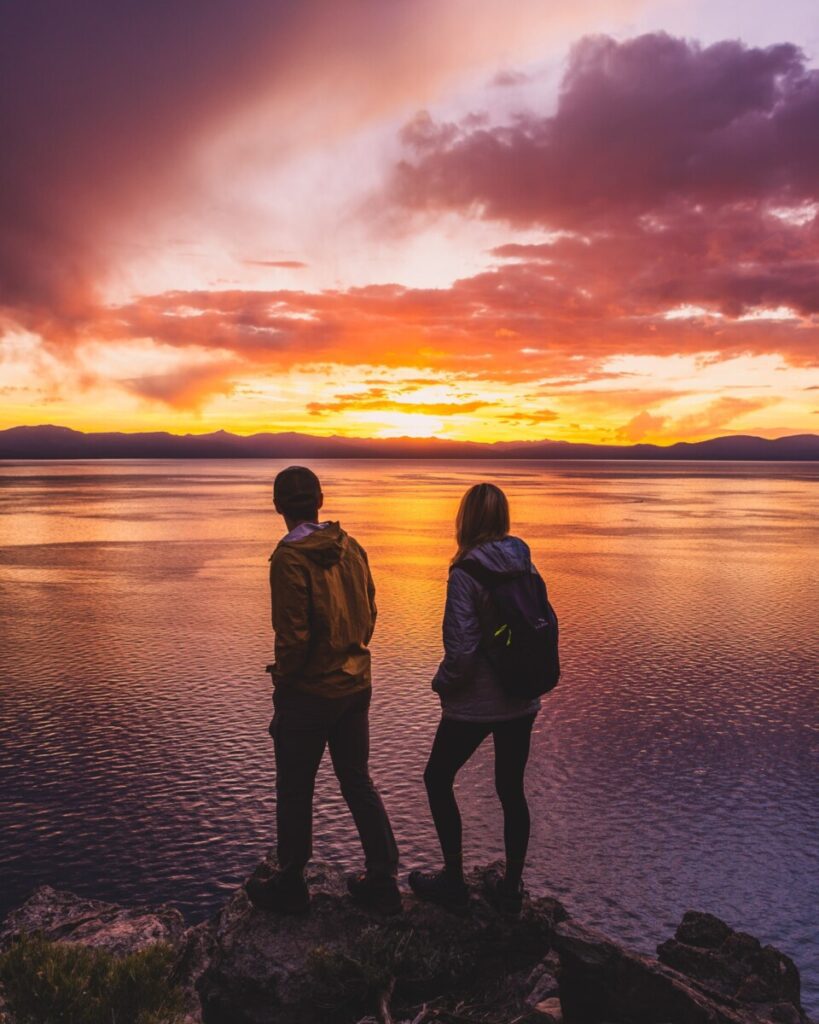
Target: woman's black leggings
455,742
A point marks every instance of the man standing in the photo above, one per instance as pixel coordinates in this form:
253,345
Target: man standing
323,602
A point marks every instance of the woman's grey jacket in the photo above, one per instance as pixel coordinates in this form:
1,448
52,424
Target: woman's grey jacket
465,680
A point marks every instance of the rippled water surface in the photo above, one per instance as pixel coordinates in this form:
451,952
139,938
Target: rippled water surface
675,766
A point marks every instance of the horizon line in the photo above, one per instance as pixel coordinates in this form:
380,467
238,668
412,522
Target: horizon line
433,441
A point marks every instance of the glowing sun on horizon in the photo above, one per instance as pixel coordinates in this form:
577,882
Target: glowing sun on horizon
408,424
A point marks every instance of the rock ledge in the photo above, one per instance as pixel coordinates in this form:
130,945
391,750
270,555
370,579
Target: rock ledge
339,963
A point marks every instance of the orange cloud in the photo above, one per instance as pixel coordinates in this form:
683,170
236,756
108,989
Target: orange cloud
532,417
378,402
642,425
186,388
566,321
714,418
718,415
282,264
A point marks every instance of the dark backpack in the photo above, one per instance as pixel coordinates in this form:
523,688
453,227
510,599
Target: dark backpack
521,638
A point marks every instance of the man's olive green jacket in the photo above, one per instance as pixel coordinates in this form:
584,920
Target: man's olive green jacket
323,604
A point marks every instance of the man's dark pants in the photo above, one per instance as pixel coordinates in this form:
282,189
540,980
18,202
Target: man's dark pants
303,725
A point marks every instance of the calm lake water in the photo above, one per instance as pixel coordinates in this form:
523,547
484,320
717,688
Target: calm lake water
675,766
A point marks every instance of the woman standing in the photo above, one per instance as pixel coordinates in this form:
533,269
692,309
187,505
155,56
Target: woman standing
475,704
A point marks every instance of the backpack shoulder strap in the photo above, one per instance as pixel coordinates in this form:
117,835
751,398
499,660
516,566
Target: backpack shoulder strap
472,567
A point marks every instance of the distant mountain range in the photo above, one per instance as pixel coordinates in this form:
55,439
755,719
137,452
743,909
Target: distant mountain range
49,442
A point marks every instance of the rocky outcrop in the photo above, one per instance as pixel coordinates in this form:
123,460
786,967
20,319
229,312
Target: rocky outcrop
734,965
266,968
338,963
63,917
602,981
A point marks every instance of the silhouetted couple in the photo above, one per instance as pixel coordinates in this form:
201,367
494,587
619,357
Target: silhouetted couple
323,609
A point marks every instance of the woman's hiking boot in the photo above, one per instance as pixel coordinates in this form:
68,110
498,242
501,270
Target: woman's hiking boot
503,896
375,892
281,893
440,887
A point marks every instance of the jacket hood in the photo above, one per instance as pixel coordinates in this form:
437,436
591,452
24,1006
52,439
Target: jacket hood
324,547
508,555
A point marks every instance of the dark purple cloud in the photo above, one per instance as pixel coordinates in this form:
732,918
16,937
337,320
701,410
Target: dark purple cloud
729,259
105,103
641,126
100,102
678,174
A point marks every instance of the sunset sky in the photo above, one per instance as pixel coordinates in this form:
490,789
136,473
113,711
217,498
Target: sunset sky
463,218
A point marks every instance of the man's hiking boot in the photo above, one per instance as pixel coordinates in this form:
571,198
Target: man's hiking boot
375,893
508,899
283,894
439,887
